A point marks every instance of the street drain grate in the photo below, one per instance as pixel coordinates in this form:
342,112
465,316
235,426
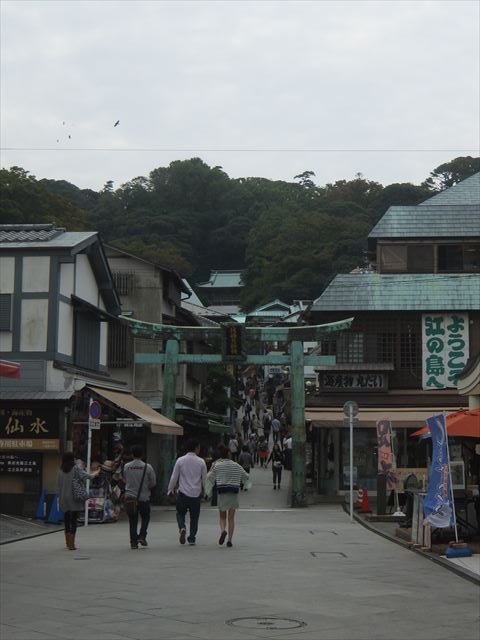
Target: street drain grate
327,553
82,558
323,531
278,624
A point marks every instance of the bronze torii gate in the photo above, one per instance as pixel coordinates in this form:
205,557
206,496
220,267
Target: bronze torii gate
233,341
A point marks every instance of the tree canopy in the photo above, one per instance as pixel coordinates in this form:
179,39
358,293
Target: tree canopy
288,238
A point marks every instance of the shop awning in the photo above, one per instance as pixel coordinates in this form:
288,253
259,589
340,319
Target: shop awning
158,422
411,417
218,427
9,369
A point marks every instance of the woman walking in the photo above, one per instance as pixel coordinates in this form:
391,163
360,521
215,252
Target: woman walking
227,475
70,482
277,463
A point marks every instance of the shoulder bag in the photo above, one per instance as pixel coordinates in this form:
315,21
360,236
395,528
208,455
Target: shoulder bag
130,503
79,490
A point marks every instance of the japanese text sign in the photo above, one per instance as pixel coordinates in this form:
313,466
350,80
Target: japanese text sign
445,349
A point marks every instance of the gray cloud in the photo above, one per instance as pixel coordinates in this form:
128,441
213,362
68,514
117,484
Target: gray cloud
240,78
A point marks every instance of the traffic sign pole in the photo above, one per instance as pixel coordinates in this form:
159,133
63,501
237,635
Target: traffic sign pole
350,409
94,413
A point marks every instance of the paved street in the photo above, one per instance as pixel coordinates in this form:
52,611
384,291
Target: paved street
306,574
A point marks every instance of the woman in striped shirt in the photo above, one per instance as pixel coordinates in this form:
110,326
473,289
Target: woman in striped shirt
227,475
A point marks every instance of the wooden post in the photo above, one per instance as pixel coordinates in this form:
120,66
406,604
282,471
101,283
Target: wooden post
167,445
298,423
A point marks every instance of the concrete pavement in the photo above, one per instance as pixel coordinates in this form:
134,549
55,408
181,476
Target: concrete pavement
304,574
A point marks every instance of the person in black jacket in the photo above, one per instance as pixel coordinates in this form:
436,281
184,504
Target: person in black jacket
276,457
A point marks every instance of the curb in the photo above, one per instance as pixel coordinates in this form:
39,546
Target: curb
463,573
33,535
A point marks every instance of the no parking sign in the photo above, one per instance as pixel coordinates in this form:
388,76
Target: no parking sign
94,414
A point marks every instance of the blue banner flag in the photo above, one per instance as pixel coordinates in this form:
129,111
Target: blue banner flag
438,502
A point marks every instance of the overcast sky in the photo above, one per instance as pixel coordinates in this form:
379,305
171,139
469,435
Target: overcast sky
260,88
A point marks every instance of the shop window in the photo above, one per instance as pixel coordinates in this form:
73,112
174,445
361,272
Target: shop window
420,258
409,350
471,257
328,347
393,258
450,257
350,348
5,312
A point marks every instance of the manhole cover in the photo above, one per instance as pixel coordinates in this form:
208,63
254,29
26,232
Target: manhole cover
266,623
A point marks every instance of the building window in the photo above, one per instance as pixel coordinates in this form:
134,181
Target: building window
471,257
5,311
385,347
350,348
393,258
87,340
420,258
119,346
124,282
450,257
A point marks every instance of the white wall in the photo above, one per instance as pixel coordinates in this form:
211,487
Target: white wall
7,285
85,283
67,284
34,322
6,340
7,274
65,329
103,343
36,274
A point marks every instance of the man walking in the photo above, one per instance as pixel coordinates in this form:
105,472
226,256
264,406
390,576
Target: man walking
188,479
276,426
139,480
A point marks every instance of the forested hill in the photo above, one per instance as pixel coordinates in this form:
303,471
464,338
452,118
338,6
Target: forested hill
290,238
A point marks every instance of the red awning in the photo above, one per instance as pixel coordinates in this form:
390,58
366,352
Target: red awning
464,424
9,369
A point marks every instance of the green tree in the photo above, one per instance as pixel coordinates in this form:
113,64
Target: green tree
24,200
450,173
215,397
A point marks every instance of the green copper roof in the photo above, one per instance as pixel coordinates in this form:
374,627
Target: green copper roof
453,213
273,309
466,192
422,221
401,292
221,280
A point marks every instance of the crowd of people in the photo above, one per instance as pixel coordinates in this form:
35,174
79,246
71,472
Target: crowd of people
262,438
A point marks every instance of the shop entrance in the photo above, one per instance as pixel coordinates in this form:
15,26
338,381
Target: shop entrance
236,344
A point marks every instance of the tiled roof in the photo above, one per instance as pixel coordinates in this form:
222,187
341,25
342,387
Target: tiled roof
466,192
28,232
429,221
401,292
222,279
32,236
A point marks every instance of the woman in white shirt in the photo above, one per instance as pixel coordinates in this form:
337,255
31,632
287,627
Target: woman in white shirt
228,476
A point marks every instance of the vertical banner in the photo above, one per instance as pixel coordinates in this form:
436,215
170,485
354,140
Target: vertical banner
385,452
438,503
445,349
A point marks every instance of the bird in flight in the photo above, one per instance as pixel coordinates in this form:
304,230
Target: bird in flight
116,123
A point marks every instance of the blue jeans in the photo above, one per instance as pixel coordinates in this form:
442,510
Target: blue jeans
184,504
144,512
